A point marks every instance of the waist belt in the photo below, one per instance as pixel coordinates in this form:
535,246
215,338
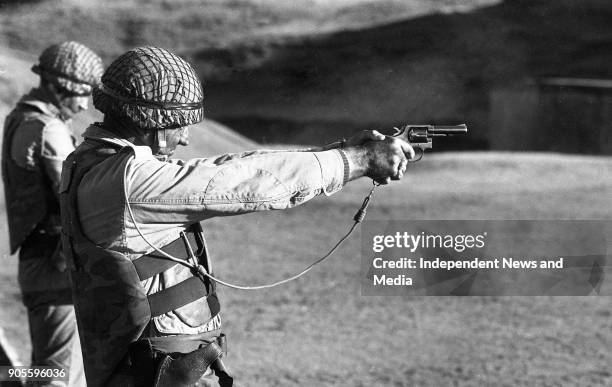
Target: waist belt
184,292
185,343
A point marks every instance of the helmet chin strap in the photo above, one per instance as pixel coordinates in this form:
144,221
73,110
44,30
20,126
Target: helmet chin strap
161,138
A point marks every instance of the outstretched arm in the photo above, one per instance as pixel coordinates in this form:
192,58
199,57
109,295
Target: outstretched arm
198,189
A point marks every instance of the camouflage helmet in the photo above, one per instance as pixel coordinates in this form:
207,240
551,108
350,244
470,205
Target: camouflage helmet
71,66
151,88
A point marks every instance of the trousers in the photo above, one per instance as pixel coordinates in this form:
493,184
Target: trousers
55,342
52,322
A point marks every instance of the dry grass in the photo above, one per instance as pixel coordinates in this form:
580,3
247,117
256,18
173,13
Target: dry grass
320,331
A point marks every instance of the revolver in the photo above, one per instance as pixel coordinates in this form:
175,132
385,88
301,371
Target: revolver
421,136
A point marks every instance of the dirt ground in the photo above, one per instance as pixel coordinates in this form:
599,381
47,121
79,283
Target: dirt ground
321,331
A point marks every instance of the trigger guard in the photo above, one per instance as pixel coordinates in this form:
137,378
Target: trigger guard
418,155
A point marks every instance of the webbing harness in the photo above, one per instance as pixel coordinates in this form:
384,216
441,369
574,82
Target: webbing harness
153,263
184,292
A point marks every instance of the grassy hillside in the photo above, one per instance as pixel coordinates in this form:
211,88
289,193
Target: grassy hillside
111,27
320,331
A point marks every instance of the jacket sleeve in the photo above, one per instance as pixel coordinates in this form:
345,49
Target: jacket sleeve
229,185
223,158
57,143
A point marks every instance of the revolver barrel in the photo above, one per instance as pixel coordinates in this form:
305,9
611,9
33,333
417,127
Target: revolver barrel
435,130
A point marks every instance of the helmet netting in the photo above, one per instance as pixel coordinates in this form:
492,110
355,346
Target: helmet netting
71,66
152,88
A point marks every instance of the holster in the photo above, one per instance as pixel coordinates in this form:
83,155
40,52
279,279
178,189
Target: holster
176,369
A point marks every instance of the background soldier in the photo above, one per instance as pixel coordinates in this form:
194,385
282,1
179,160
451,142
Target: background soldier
35,143
143,316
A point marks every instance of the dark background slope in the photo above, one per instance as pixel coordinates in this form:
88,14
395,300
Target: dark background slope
433,69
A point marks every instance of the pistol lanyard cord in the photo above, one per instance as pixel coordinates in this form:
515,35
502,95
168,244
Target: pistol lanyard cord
359,216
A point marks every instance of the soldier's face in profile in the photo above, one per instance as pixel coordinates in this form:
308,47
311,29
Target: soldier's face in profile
72,105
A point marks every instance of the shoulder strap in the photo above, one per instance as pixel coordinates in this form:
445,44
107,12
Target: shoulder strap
68,195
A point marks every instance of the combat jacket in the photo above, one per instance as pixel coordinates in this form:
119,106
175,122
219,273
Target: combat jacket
35,143
167,197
